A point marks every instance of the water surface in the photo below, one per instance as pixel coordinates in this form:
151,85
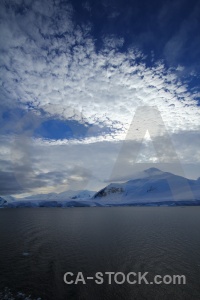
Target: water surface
37,246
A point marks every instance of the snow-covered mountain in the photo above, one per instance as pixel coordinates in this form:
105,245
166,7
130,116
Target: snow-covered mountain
2,201
67,198
152,185
6,198
67,195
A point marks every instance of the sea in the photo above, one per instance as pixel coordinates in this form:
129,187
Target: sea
38,246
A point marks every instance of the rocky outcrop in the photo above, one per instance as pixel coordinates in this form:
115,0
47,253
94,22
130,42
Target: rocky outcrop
109,190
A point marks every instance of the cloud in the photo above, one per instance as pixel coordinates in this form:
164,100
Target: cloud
113,42
52,68
29,168
41,167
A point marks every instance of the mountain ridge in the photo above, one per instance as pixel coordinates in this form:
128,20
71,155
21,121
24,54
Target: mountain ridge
153,185
146,188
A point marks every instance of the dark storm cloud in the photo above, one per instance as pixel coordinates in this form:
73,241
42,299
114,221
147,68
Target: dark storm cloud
9,184
16,178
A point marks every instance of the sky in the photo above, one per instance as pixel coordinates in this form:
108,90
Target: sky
78,77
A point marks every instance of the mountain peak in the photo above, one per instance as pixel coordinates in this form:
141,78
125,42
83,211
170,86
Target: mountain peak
153,171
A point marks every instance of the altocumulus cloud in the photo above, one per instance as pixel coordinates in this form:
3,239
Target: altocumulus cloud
51,66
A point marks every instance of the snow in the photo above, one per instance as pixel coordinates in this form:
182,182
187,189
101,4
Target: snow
150,187
81,194
153,185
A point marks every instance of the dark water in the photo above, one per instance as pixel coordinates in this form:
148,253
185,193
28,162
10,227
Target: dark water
37,246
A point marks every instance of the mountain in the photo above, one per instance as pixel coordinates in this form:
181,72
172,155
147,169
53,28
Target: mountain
64,199
67,195
2,201
8,198
151,186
